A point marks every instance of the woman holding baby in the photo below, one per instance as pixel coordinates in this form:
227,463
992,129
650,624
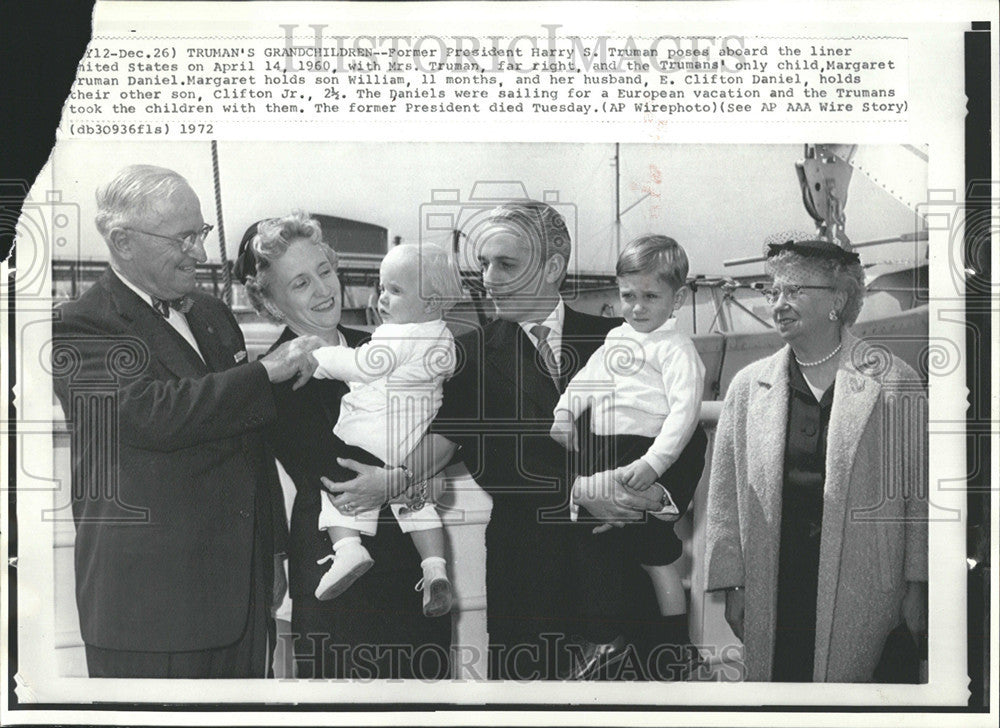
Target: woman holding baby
376,625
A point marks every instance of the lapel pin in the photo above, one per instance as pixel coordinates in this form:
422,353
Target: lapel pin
240,356
211,330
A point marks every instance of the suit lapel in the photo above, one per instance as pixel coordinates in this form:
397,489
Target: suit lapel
855,396
581,340
508,354
508,347
510,370
286,335
165,343
207,334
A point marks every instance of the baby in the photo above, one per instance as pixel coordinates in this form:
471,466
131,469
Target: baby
395,390
643,388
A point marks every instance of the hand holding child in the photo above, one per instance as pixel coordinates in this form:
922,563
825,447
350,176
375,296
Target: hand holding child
637,475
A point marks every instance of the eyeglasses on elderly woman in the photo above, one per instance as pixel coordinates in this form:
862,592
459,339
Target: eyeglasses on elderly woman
790,292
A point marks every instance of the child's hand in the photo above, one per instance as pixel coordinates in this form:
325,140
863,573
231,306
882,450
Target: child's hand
564,429
636,475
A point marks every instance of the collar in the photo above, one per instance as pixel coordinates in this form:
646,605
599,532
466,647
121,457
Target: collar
341,340
141,293
668,326
135,289
852,361
554,322
425,328
795,378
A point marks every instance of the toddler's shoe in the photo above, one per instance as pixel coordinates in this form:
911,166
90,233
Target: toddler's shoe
437,591
349,563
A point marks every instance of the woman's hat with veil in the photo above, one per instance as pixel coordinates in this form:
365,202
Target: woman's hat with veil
810,245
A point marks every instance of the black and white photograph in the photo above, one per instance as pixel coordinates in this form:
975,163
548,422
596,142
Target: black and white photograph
500,418
530,233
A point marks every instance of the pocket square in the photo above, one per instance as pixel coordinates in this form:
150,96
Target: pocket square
240,356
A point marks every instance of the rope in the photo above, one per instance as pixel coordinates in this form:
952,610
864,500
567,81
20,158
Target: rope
227,274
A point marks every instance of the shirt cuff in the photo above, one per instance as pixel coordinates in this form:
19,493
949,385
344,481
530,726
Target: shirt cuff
325,358
669,510
574,508
659,463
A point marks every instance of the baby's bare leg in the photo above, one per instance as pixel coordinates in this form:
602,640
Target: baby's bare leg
336,533
429,542
435,584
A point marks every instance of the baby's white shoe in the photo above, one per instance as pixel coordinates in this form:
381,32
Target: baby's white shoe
436,587
349,563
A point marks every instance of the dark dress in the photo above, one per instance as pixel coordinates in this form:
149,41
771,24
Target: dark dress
801,528
376,629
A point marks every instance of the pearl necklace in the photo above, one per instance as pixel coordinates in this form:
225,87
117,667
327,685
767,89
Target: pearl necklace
825,359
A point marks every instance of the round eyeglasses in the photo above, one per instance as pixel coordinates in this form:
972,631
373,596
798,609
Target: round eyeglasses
187,242
791,292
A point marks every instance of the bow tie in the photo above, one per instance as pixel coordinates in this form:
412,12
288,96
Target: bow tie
182,304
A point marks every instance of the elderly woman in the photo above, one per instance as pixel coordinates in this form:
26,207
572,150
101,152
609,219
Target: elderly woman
376,629
817,505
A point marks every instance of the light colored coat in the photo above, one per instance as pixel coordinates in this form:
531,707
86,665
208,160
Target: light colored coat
874,536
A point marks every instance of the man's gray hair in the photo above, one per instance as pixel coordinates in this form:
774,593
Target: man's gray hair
131,194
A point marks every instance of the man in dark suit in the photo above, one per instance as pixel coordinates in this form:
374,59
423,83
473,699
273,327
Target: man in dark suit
498,409
176,501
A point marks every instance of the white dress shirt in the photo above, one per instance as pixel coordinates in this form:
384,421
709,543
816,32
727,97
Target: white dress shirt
175,318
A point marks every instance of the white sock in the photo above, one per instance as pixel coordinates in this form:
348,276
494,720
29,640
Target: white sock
432,563
346,542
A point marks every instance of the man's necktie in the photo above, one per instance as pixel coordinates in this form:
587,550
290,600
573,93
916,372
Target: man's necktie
548,357
182,304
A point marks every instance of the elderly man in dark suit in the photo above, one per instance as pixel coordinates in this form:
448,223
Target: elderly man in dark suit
176,500
499,409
